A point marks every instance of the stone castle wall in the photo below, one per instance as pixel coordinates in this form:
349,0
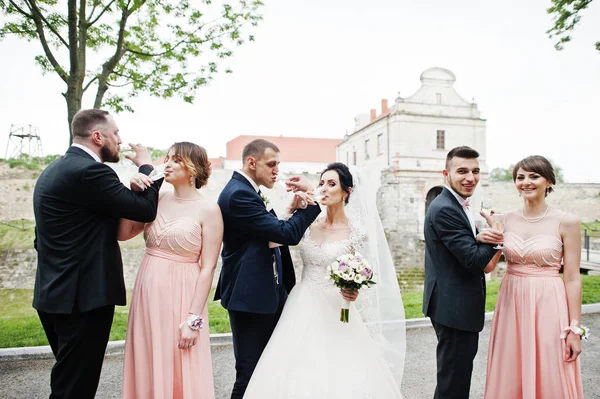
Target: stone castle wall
401,203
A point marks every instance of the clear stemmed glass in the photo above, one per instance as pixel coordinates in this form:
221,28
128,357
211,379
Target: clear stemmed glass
317,197
281,179
158,172
486,205
498,224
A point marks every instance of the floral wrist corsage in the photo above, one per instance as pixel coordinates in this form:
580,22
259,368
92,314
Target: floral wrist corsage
585,333
194,322
582,331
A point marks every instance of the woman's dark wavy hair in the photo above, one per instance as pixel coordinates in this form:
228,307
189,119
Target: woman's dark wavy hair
345,176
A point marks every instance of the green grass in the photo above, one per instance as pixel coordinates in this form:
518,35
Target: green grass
16,234
20,326
591,225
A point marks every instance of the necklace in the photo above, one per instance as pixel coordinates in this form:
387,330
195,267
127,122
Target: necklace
536,219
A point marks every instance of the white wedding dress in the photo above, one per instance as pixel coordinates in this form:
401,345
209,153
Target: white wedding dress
311,354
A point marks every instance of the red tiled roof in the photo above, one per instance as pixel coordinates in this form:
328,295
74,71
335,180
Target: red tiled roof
292,149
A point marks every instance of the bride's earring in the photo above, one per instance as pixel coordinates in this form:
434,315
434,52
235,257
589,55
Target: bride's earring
192,180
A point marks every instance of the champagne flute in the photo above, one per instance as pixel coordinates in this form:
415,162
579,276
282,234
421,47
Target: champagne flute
498,224
281,179
158,172
486,205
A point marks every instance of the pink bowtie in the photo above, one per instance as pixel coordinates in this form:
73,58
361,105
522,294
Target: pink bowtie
466,204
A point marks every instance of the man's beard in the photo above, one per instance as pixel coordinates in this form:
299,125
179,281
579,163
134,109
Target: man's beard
108,154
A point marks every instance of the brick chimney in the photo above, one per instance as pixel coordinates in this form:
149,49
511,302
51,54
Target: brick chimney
384,107
373,114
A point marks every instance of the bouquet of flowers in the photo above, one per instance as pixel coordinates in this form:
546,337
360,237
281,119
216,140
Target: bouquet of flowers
350,271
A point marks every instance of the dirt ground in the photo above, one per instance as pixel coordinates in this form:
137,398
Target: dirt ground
16,191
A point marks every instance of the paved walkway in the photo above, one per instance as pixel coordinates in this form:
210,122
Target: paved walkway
30,379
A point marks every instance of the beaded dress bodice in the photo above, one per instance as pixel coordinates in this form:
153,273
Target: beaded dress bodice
533,247
175,231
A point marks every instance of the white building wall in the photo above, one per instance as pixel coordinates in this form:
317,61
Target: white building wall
412,125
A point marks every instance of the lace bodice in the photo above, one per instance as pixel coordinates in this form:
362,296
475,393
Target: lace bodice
316,258
533,247
175,231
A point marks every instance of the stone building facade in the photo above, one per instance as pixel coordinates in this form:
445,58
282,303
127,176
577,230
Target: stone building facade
404,150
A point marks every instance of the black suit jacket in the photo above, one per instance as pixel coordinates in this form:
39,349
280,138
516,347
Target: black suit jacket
454,261
77,203
247,283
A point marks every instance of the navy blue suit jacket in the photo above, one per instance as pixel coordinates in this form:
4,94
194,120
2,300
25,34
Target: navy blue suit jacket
454,293
247,282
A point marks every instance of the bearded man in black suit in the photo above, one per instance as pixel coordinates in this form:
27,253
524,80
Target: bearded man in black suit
78,201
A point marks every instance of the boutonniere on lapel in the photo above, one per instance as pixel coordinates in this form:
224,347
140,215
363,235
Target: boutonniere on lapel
266,201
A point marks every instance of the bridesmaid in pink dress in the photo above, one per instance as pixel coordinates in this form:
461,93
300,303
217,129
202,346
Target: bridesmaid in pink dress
527,356
165,355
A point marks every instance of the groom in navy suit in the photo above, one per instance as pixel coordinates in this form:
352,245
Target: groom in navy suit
256,279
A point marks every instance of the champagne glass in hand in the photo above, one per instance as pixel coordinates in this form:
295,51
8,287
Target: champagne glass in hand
158,172
281,179
486,206
498,224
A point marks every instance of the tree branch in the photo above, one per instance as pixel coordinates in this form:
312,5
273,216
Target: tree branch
20,10
72,20
141,53
17,32
88,84
99,15
82,45
42,35
37,12
109,66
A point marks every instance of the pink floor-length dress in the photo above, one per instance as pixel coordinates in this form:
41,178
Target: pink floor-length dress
525,356
154,368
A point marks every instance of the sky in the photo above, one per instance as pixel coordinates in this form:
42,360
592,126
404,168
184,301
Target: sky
316,64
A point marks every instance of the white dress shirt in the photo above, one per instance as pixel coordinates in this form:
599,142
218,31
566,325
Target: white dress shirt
254,185
464,203
92,153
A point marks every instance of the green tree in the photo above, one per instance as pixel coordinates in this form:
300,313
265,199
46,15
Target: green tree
501,174
566,15
558,172
505,174
164,48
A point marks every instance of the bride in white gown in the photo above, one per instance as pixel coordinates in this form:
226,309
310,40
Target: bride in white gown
311,354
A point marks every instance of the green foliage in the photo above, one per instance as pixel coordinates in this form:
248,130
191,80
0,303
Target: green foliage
566,15
156,153
48,159
501,174
124,48
28,162
505,174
